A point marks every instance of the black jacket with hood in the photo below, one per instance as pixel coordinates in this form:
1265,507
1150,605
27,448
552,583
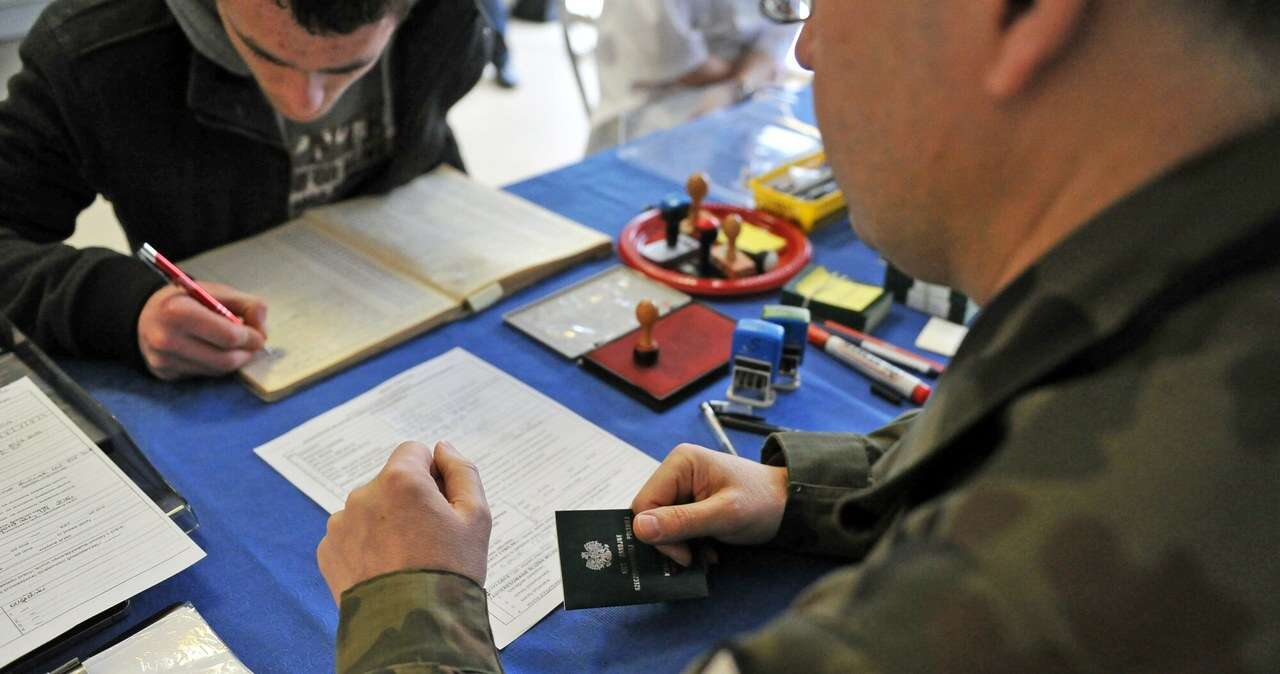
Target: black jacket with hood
113,99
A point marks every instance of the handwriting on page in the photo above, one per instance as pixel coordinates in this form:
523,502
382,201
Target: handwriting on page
76,536
535,455
325,302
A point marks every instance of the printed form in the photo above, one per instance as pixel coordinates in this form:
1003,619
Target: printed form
77,536
535,457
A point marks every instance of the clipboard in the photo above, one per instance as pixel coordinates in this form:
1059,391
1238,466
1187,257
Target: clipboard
156,651
20,357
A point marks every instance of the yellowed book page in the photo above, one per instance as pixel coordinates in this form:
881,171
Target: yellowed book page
457,234
327,305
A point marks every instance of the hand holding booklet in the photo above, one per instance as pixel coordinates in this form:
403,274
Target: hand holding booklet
348,280
602,563
535,457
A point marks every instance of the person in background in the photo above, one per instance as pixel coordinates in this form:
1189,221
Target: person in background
664,62
1092,485
504,73
204,122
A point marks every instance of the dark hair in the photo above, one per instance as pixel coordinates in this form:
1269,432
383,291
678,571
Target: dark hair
340,17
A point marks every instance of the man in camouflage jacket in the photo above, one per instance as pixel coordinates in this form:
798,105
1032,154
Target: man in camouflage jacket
1092,486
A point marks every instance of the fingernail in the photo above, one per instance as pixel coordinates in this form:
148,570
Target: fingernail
647,527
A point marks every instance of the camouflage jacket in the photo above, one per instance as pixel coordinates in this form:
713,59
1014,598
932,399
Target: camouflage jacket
1091,488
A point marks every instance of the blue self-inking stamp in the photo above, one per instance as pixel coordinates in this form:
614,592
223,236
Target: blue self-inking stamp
674,247
754,359
795,326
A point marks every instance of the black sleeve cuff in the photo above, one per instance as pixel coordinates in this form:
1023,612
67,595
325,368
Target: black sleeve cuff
105,323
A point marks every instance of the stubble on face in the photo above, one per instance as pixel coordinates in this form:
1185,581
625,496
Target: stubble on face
889,116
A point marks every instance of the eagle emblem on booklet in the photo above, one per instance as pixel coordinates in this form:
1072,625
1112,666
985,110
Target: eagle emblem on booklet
598,555
602,563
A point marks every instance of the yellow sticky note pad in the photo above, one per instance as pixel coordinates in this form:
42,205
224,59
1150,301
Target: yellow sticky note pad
754,239
820,285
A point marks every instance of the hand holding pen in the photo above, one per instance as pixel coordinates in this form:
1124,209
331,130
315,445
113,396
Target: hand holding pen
190,329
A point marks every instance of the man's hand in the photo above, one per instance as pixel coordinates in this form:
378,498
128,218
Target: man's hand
179,337
418,513
698,492
711,71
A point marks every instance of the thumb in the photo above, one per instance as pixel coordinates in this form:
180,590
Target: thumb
256,315
253,339
460,478
676,523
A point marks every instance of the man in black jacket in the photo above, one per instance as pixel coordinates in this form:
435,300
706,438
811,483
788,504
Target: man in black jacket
203,122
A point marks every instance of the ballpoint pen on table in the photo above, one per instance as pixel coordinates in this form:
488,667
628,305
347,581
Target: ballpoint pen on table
713,422
724,408
752,423
750,426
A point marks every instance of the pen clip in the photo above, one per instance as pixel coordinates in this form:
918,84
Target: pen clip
723,408
72,667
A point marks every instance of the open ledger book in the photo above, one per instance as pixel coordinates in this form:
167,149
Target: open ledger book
350,279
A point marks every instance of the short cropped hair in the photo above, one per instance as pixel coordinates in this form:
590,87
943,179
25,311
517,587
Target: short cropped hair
341,17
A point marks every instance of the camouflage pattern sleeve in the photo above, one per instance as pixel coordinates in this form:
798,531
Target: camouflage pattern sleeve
415,622
1116,515
1046,575
823,468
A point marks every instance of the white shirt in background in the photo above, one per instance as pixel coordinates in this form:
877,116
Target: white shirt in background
647,44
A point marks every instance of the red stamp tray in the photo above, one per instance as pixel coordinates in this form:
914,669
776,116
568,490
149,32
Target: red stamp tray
649,226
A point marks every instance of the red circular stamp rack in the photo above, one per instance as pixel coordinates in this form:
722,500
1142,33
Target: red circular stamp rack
649,226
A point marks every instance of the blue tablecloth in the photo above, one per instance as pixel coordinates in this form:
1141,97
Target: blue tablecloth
259,587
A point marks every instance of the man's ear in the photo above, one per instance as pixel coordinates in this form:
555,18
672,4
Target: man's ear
1032,33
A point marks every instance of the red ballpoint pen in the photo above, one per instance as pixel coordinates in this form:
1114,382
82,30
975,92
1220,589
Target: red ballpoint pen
179,278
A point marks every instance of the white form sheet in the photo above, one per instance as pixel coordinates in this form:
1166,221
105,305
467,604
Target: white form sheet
76,535
534,455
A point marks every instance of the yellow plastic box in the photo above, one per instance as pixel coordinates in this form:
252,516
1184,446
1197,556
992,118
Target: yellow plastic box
809,215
